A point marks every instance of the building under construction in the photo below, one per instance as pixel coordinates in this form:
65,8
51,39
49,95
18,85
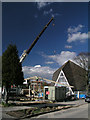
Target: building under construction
34,87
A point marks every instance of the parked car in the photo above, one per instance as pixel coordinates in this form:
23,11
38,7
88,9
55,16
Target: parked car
87,99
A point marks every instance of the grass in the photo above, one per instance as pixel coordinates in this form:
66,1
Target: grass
7,104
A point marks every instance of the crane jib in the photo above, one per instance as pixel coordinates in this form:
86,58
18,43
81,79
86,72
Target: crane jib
26,52
34,42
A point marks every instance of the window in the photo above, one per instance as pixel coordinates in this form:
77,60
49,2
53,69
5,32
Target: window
61,74
62,79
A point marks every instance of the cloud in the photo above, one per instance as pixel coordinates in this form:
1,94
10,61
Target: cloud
48,12
41,3
75,34
77,37
68,46
55,14
38,70
37,66
61,58
51,13
49,62
75,29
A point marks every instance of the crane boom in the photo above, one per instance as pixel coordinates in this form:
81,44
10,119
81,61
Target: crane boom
26,52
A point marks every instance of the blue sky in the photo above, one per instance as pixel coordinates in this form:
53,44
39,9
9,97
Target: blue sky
22,22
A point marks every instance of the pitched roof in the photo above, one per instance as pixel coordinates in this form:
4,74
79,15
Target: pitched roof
75,75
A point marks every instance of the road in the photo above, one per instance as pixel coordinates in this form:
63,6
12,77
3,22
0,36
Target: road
75,112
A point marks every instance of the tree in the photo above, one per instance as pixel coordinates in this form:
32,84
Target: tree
11,68
0,75
83,60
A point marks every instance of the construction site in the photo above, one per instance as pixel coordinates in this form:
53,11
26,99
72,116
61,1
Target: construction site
37,88
44,59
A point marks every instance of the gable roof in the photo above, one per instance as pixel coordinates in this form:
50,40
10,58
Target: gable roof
75,75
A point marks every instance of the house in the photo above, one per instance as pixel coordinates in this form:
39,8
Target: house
71,74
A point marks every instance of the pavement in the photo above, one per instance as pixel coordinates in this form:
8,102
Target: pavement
15,108
73,112
73,103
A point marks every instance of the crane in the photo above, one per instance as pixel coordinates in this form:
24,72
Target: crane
26,52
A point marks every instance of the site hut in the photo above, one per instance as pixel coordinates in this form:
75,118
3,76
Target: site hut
54,93
73,75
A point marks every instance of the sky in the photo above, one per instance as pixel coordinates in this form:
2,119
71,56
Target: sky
64,38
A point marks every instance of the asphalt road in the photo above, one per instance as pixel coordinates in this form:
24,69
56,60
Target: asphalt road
75,112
